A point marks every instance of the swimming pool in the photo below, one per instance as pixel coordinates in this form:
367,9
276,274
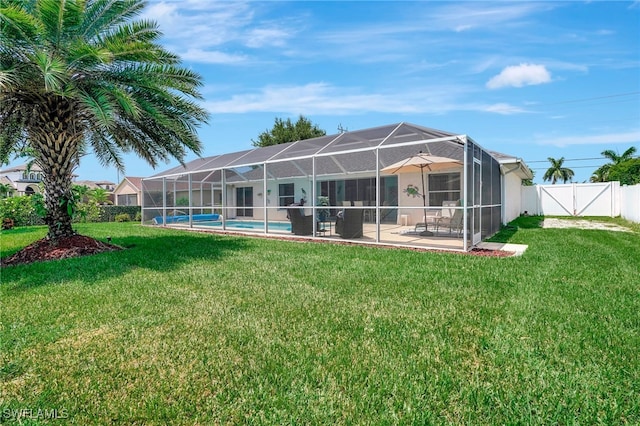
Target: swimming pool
249,224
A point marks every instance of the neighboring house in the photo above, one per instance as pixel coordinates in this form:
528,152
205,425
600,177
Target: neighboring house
95,184
128,191
26,180
23,179
99,184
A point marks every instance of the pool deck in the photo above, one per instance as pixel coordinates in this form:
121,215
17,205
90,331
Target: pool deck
390,235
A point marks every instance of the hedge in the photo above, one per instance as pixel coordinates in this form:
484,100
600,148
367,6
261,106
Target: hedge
22,212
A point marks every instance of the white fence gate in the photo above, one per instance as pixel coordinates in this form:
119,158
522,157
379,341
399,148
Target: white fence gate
575,199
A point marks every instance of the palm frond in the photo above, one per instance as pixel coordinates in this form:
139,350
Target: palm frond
103,15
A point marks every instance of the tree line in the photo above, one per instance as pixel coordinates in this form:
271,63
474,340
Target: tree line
624,168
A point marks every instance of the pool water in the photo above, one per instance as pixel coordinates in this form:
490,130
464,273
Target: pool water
250,224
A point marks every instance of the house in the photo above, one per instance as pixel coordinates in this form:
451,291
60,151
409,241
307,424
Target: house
453,206
128,191
24,179
96,184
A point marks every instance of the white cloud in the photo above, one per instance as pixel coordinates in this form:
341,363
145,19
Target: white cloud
520,75
261,37
206,28
470,15
324,98
504,109
312,98
212,57
601,139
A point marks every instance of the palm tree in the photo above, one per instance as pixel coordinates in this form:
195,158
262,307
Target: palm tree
5,190
603,171
80,75
99,196
556,172
599,175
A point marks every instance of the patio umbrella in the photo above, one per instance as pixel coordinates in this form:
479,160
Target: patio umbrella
422,162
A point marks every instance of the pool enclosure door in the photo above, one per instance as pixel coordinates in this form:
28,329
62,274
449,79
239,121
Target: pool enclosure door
476,197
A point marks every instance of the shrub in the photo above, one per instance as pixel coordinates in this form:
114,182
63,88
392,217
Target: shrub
108,213
87,212
123,217
21,210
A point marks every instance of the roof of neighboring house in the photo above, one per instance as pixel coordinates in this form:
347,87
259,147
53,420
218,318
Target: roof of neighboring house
21,168
136,182
6,181
93,184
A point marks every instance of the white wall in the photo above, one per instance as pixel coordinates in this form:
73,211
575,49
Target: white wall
630,203
511,198
271,199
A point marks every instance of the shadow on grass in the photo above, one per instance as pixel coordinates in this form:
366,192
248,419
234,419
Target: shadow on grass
155,253
507,232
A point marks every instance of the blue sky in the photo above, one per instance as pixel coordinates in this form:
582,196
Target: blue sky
533,80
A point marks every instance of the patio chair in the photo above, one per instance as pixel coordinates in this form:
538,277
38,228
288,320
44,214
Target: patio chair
300,224
449,220
349,225
431,218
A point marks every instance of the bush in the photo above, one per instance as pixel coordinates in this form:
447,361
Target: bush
123,217
20,210
87,212
108,213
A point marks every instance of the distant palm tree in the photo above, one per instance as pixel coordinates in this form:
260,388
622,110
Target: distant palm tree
80,74
5,190
598,175
603,171
556,172
99,196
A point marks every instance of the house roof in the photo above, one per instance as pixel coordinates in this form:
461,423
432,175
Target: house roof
6,181
21,168
511,164
93,184
135,182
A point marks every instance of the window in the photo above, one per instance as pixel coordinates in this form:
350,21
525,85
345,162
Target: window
286,195
127,200
443,187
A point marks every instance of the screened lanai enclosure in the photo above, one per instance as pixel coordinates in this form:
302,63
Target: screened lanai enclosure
400,184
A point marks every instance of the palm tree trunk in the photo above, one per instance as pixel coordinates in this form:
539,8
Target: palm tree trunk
56,143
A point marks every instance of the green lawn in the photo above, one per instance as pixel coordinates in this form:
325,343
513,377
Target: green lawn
188,328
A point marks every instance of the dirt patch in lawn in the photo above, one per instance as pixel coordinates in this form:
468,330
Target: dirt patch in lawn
583,224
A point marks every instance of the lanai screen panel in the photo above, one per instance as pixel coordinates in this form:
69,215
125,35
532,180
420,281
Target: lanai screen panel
305,148
152,199
409,133
358,140
257,184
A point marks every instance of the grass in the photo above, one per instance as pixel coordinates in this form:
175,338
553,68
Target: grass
188,328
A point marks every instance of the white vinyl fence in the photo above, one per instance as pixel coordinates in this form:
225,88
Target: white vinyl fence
583,199
630,203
